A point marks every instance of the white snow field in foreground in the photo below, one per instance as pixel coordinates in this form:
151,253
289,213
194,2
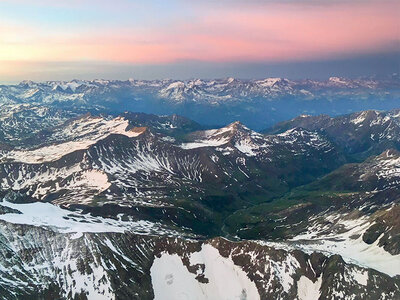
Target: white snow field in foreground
172,281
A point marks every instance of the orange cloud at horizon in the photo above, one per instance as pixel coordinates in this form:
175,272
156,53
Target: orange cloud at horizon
275,33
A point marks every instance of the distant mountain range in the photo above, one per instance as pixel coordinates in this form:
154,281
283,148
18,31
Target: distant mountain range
137,206
257,103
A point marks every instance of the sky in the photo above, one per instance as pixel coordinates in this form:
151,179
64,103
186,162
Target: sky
120,39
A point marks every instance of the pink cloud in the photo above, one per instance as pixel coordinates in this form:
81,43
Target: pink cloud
272,32
279,32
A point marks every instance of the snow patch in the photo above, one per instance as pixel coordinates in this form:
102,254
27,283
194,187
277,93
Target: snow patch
246,147
360,276
205,143
308,290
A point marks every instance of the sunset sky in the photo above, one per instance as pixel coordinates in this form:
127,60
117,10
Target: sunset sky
44,39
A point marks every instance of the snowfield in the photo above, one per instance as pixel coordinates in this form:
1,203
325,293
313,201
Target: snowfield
83,133
172,280
64,221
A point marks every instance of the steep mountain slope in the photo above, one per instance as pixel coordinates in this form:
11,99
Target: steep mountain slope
377,173
364,133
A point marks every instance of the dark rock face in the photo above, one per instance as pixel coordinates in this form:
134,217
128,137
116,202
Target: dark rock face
387,229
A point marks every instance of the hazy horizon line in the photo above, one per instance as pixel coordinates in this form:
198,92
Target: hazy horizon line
326,78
